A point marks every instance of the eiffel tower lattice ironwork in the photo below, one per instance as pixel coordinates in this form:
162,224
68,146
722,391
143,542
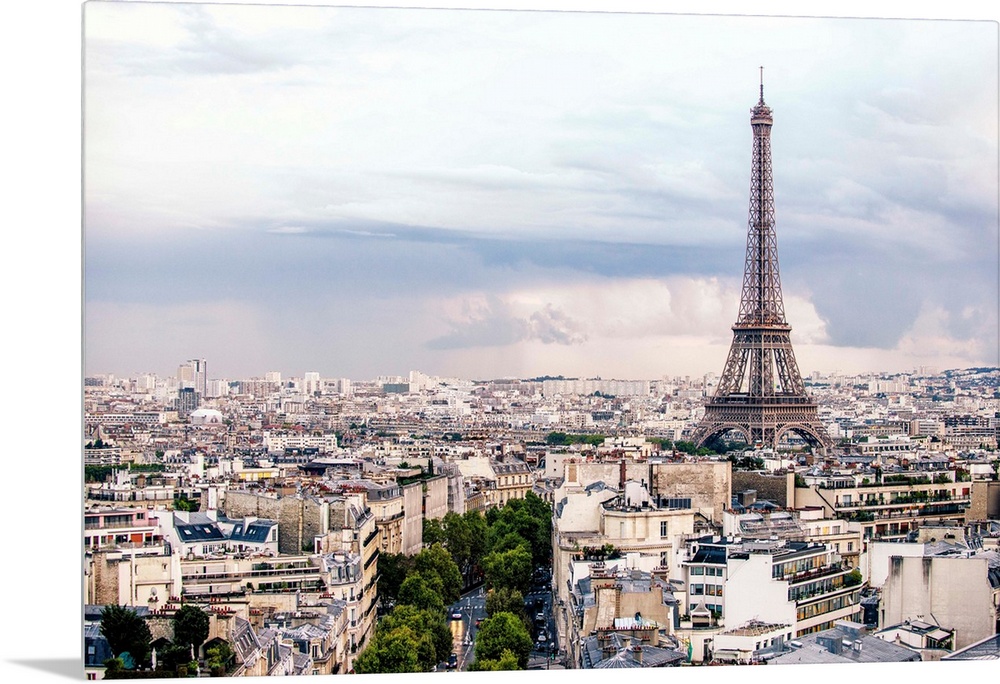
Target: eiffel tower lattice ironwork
761,394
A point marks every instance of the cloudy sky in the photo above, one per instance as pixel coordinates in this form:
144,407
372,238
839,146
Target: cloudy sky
364,191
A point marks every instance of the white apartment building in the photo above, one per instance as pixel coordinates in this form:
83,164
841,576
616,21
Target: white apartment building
802,584
277,442
618,388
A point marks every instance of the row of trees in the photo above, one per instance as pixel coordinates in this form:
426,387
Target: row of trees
130,641
713,446
565,439
502,548
414,636
101,473
519,538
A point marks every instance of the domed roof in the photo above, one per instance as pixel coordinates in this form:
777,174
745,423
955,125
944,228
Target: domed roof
206,415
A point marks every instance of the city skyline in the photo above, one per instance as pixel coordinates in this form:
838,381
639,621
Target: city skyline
361,192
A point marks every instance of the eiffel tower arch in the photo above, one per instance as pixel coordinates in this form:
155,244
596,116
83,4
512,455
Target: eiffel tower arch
761,394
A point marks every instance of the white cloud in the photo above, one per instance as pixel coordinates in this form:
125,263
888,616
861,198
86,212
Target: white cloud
931,336
647,321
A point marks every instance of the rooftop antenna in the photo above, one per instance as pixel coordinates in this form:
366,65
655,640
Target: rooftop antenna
762,84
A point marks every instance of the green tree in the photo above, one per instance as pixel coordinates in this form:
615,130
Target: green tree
190,627
217,657
422,592
172,656
98,473
503,632
684,446
509,569
182,503
433,532
457,539
530,519
390,652
502,538
508,661
741,462
476,524
126,632
423,622
556,439
506,600
393,568
436,561
112,666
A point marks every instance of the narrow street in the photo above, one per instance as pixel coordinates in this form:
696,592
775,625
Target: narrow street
538,604
463,616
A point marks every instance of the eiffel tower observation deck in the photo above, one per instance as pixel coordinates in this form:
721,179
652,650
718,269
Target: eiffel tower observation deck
761,395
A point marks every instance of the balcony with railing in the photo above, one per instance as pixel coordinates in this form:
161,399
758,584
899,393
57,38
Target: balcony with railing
797,578
905,499
816,589
91,523
237,575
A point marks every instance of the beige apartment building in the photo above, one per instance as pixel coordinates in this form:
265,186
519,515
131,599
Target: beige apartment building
888,509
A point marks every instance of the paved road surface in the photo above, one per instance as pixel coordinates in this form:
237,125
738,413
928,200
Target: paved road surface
472,607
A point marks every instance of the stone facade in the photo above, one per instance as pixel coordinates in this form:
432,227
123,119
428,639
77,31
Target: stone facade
300,519
435,492
707,483
779,489
413,522
985,503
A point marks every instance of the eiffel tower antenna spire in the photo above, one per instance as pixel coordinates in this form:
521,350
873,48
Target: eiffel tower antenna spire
761,394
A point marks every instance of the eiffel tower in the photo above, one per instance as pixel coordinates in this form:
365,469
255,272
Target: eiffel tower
761,394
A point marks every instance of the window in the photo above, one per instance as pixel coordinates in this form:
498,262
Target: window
663,528
698,589
697,570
